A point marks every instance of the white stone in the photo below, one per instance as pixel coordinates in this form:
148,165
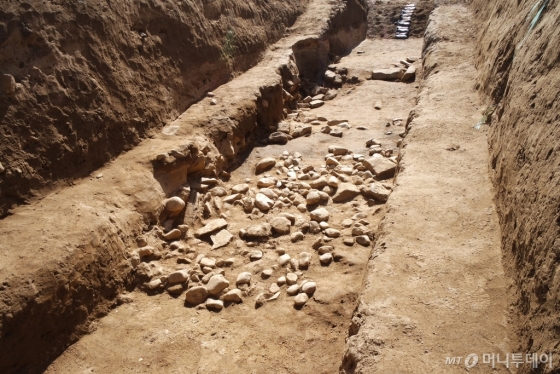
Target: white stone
234,295
301,299
309,287
217,284
326,258
284,259
221,239
291,278
263,202
320,214
292,290
214,304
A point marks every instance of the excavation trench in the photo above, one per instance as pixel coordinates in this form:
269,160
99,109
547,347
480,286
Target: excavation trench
116,258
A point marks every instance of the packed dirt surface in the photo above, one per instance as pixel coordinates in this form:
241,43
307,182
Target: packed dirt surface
435,289
85,81
275,337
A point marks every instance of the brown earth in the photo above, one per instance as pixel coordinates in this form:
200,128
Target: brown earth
456,267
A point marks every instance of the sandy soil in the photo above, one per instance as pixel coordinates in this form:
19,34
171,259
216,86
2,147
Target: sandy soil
159,334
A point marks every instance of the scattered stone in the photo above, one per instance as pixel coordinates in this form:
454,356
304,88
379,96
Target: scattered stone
316,103
179,276
175,290
325,130
156,283
337,150
214,304
284,259
320,214
234,296
221,239
380,167
281,225
292,290
348,241
173,235
331,161
409,74
302,130
347,222
378,105
217,284
296,236
302,208
332,233
274,288
330,76
255,255
266,182
259,231
243,278
263,202
291,278
300,299
345,192
210,227
313,197
240,188
336,133
278,138
324,225
284,127
196,295
266,273
174,205
314,227
363,240
304,259
377,191
386,74
319,183
309,287
326,258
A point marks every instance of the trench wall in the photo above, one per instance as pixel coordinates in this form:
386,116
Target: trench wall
519,73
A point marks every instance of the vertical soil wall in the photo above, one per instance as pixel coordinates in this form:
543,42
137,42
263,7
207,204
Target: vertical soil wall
81,82
519,72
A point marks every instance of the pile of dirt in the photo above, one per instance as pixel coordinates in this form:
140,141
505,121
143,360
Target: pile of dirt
518,48
84,81
383,16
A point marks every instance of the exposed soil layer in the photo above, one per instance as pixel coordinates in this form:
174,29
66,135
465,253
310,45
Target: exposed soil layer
435,287
519,73
95,78
75,258
383,16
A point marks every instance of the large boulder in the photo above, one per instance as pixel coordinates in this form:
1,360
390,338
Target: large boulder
281,225
346,192
260,231
211,227
320,215
376,191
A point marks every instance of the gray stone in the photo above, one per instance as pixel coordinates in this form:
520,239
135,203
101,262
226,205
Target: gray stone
326,258
296,236
338,150
409,75
284,127
332,233
221,239
309,287
234,296
255,255
178,276
281,225
313,197
259,231
314,227
377,191
265,164
345,192
210,227
207,262
300,299
304,259
363,240
217,284
240,188
214,304
316,103
336,133
243,278
320,214
284,259
278,138
174,205
196,295
302,130
386,74
380,166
